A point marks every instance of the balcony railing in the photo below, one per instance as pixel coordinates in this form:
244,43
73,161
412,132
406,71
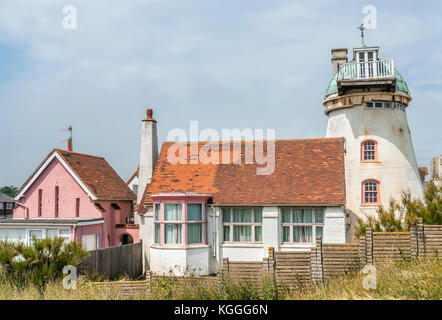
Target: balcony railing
366,70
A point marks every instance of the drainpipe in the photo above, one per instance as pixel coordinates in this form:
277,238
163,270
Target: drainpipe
214,231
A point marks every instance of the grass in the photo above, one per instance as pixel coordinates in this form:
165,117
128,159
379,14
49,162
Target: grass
419,279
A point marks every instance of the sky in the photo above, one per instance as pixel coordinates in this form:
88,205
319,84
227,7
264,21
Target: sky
225,63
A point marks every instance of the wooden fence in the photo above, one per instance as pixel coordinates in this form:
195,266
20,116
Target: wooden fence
114,261
290,269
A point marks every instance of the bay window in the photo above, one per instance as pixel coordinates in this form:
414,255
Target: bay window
301,225
242,224
173,225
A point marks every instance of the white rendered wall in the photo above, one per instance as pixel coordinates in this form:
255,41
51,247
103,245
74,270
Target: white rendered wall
334,225
396,168
180,261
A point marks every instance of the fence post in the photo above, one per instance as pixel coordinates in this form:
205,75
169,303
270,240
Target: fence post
316,262
413,242
225,268
369,246
271,262
362,251
420,236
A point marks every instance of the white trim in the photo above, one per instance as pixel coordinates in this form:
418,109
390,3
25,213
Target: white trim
44,166
88,223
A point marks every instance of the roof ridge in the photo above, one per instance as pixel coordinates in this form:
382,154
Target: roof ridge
79,153
277,140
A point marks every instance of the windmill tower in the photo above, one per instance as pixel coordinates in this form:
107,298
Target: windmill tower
366,102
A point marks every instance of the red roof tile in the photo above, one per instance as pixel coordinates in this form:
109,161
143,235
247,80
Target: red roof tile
307,172
99,177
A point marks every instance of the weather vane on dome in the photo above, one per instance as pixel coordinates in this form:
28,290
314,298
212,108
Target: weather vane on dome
362,28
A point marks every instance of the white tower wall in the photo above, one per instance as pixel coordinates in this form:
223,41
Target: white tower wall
396,167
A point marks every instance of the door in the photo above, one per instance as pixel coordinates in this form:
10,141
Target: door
366,64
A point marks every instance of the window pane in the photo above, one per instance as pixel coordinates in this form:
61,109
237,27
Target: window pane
13,234
319,215
319,231
258,215
172,233
302,234
369,105
242,215
157,233
308,216
226,215
297,234
194,233
172,212
64,233
226,233
157,211
51,233
38,234
286,234
194,212
378,105
297,215
285,215
242,233
258,233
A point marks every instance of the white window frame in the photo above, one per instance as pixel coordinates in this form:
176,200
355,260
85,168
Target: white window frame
159,221
292,224
231,224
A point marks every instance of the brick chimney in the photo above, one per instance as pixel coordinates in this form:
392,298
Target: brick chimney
148,152
339,56
70,144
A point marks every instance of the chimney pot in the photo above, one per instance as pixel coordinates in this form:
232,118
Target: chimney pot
70,145
149,113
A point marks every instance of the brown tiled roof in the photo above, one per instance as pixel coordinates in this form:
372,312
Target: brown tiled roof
98,176
307,172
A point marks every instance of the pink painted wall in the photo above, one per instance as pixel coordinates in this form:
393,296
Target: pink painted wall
69,190
56,175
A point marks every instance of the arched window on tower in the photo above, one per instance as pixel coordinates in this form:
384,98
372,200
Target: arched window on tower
371,192
369,150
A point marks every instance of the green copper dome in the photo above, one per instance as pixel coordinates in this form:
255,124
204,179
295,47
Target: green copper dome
401,85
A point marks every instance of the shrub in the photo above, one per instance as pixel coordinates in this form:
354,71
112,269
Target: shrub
40,262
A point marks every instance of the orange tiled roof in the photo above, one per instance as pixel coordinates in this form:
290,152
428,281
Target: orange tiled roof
99,177
307,171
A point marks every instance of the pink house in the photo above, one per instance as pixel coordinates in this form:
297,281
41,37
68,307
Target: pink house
76,196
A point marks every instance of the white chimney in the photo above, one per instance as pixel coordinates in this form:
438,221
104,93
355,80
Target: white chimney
339,56
148,153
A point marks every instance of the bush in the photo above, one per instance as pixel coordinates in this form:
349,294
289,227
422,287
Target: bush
38,263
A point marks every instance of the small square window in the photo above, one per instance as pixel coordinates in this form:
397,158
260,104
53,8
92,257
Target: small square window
387,105
369,104
378,105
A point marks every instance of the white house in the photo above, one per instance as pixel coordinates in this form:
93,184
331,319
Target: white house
194,214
